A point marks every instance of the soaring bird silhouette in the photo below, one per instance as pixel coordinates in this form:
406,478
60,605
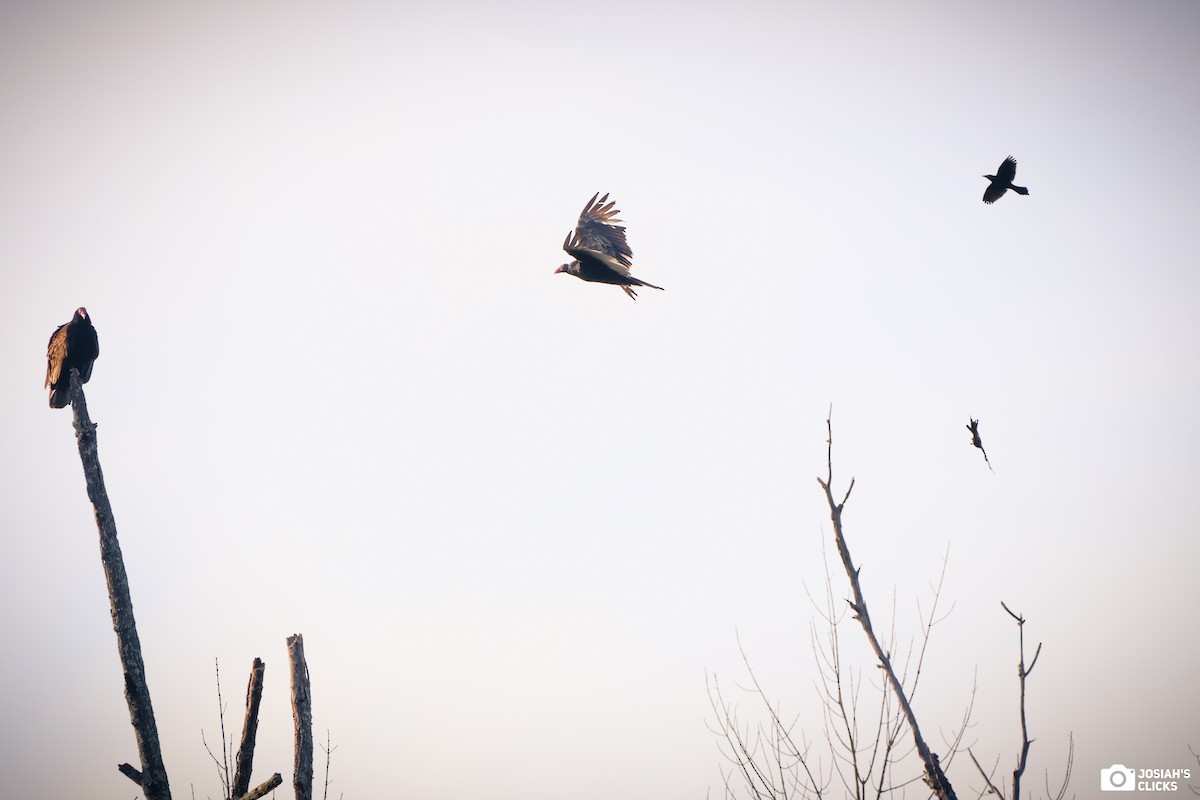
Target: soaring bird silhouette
1002,181
599,248
72,346
975,440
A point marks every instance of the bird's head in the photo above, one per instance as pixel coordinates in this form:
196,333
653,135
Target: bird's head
81,313
566,268
990,177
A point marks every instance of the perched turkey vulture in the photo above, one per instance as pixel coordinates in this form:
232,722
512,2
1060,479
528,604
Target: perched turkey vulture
975,440
599,248
1002,181
73,345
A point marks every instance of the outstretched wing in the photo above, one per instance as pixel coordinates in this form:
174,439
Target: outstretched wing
994,191
597,232
56,353
1007,171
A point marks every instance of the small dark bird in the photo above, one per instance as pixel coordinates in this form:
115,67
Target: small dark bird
1002,181
72,346
975,440
599,248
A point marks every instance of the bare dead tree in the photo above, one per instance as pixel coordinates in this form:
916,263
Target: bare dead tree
152,778
302,778
1023,756
235,781
862,748
245,754
934,776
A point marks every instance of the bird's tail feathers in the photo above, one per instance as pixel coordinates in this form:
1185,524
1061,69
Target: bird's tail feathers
1020,189
60,395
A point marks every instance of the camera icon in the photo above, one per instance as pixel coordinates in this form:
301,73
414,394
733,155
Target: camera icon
1117,778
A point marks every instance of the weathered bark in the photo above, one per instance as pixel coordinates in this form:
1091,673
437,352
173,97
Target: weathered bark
262,790
245,755
129,771
137,693
302,778
934,776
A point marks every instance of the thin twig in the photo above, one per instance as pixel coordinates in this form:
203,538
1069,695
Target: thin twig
328,752
986,778
225,780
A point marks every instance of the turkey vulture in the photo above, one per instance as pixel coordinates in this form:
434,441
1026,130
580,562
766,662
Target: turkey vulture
1002,181
599,248
72,346
975,440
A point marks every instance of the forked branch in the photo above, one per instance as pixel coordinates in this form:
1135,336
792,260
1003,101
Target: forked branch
1022,674
1023,759
934,776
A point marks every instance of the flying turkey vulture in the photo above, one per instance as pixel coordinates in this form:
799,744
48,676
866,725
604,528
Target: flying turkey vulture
975,440
599,248
73,345
1002,181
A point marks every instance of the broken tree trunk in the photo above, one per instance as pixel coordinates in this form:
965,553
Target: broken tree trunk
262,791
153,775
245,754
302,777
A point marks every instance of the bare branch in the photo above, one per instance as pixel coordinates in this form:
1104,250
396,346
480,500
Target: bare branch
131,773
1022,673
245,754
1033,663
934,775
264,788
222,772
1195,789
986,778
1062,790
328,748
137,692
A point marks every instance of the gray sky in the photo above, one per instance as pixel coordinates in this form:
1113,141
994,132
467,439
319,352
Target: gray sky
517,517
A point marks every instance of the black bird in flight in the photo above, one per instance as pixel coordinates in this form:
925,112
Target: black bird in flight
975,440
73,345
1002,181
599,248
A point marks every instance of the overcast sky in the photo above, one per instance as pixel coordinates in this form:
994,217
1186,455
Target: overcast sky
518,517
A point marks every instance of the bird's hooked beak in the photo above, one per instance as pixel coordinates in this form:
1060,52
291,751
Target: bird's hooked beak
563,268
